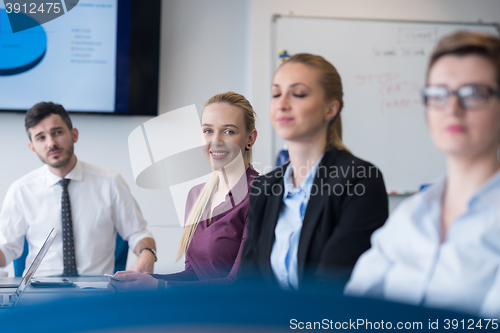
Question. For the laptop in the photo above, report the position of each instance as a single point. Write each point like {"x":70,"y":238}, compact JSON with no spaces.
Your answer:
{"x":8,"y":300}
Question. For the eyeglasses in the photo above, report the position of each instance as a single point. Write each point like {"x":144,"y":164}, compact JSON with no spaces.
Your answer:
{"x":470,"y":97}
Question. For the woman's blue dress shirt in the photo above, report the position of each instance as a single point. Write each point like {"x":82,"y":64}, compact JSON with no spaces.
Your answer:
{"x":287,"y":232}
{"x":408,"y":262}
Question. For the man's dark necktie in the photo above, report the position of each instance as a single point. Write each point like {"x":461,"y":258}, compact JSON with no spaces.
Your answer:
{"x":67,"y":226}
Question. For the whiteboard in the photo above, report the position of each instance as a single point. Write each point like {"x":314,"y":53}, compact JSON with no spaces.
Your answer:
{"x":382,"y":65}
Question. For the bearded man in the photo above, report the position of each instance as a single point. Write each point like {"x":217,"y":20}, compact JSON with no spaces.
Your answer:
{"x":87,"y":204}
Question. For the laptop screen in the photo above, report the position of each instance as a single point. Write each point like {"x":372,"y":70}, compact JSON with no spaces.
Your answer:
{"x":34,"y":265}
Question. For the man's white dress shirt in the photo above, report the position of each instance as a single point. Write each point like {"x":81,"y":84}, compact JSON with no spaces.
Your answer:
{"x":408,"y":262}
{"x":101,"y":205}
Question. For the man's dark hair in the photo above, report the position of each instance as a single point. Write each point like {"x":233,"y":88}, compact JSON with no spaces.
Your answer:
{"x":42,"y":110}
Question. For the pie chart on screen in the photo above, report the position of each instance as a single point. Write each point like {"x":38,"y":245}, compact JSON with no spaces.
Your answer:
{"x":21,"y":51}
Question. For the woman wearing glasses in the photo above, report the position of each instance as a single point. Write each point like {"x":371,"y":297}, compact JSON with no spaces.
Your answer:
{"x":441,"y":247}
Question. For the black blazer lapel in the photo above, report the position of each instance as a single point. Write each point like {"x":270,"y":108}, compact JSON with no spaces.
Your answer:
{"x":270,"y":220}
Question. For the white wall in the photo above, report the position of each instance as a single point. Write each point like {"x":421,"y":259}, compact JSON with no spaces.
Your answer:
{"x":204,"y":51}
{"x":209,"y":47}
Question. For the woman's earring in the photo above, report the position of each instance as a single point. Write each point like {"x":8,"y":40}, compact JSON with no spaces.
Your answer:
{"x":248,"y":148}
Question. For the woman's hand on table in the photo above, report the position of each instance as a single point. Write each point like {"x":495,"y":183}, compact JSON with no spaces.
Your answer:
{"x":130,"y":281}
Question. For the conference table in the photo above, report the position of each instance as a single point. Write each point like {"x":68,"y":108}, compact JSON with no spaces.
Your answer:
{"x":214,"y":309}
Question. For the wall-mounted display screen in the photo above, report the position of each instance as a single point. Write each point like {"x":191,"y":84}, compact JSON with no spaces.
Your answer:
{"x":102,"y":56}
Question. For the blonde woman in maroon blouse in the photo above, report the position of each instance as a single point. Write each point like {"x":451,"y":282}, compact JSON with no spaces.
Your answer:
{"x":216,"y":211}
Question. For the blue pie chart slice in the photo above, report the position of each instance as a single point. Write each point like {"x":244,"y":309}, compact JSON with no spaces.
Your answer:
{"x":21,"y":51}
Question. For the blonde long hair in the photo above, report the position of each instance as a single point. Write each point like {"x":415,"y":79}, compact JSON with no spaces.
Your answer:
{"x":203,"y":200}
{"x":330,"y":81}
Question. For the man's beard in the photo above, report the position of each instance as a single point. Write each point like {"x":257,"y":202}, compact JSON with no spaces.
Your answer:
{"x":63,"y":159}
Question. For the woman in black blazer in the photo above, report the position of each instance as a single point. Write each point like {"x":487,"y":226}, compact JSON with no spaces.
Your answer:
{"x":311,"y":219}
